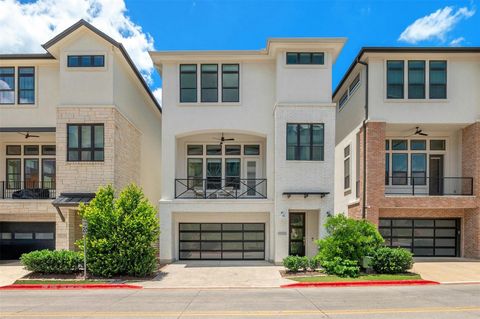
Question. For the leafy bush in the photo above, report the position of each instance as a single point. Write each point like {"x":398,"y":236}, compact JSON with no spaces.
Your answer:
{"x":314,"y":263}
{"x":341,"y":267}
{"x":387,"y":260}
{"x":347,"y":242}
{"x":296,"y":263}
{"x":121,"y":233}
{"x":52,"y":261}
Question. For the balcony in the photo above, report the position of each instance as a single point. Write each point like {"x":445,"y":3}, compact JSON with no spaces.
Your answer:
{"x":27,"y":190}
{"x":217,"y":188}
{"x":428,"y":186}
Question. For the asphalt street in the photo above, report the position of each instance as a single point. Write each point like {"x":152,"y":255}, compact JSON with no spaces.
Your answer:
{"x":440,"y":301}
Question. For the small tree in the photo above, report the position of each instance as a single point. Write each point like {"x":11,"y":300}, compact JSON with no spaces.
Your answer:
{"x":347,"y":242}
{"x":121,"y":233}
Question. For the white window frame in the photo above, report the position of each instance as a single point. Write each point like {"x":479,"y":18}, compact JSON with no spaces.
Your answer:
{"x":349,"y":158}
{"x":350,"y":91}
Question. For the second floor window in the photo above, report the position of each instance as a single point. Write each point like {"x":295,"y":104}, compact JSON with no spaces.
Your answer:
{"x":209,"y":81}
{"x":438,"y":79}
{"x":85,"y":142}
{"x":188,"y":83}
{"x":86,"y":61}
{"x":26,"y":85}
{"x":416,"y":79}
{"x":395,"y":79}
{"x":305,"y":142}
{"x":7,"y":85}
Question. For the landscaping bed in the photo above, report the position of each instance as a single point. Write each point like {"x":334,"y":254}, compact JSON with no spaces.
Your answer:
{"x":361,"y":277}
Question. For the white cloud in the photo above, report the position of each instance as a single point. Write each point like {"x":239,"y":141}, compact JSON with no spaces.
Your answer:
{"x":457,"y":42}
{"x":435,"y":25}
{"x":25,"y":26}
{"x":158,"y":95}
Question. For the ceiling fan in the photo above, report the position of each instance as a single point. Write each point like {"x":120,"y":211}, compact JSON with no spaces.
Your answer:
{"x":419,"y":131}
{"x":223,"y":139}
{"x":28,"y":135}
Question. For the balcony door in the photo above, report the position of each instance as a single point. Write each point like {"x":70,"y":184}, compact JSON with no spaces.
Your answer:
{"x":252,"y":186}
{"x":436,"y":175}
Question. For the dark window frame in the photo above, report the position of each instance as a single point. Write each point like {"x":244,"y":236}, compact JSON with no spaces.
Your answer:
{"x":18,"y":176}
{"x":402,"y":85}
{"x":430,"y":85}
{"x":298,"y":144}
{"x":13,"y":154}
{"x":20,"y":90}
{"x":80,"y":64}
{"x":298,"y":62}
{"x":188,"y":88}
{"x":410,"y":85}
{"x":231,"y":87}
{"x":81,"y":149}
{"x":202,"y":72}
{"x":13,"y":84}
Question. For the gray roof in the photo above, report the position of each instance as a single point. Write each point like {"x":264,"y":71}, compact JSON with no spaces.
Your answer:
{"x":72,"y":199}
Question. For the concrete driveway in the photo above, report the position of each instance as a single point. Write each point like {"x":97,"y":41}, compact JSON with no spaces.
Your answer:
{"x":448,"y":270}
{"x":218,"y":274}
{"x":10,"y":271}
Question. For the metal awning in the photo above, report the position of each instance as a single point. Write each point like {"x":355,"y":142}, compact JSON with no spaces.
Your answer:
{"x":71,"y":200}
{"x":306,"y":194}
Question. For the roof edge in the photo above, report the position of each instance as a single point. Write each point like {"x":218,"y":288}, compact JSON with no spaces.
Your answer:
{"x":26,"y":56}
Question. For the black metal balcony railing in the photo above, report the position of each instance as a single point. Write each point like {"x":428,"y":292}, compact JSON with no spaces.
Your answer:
{"x":428,"y":186}
{"x":218,"y":188}
{"x":27,"y":189}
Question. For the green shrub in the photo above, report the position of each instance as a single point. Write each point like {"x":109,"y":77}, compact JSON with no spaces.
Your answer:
{"x":296,"y":263}
{"x":347,"y":242}
{"x":341,"y":267}
{"x":314,"y":263}
{"x":52,"y":261}
{"x":387,"y":260}
{"x":121,"y":233}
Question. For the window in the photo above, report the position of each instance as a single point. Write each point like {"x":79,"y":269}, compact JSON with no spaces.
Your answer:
{"x":48,"y":150}
{"x":195,"y":150}
{"x":438,"y":79}
{"x":343,"y":99}
{"x":14,"y":150}
{"x":305,"y":58}
{"x":305,"y":142}
{"x":418,"y":168}
{"x":399,"y":168}
{"x":85,"y":61}
{"x":399,"y":145}
{"x":346,"y":167}
{"x":26,"y":85}
{"x":48,"y":173}
{"x":85,"y":142}
{"x":232,"y":149}
{"x":31,"y":173}
{"x":7,"y":85}
{"x":209,"y":79}
{"x":214,"y":173}
{"x":230,"y":83}
{"x":232,"y":173}
{"x":188,"y":83}
{"x":416,"y":79}
{"x":354,"y":85}
{"x":195,"y":172}
{"x":418,"y":145}
{"x":251,"y":150}
{"x":31,"y":150}
{"x":394,"y":79}
{"x":14,"y":173}
{"x":437,"y":145}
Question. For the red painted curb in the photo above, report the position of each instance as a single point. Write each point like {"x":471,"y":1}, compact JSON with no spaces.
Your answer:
{"x":360,"y":283}
{"x":69,"y":286}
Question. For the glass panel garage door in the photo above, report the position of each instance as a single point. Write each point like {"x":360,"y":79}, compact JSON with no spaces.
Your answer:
{"x":222,"y":241}
{"x":17,"y":238}
{"x":423,"y":237}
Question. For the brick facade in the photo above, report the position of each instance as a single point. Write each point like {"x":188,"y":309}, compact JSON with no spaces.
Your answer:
{"x":379,"y":205}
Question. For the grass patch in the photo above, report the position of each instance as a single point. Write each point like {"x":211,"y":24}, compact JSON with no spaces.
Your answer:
{"x":363,"y":277}
{"x":59,"y":281}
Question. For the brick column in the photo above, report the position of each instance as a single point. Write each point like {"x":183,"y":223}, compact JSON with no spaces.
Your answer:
{"x":471,"y":168}
{"x":375,"y":168}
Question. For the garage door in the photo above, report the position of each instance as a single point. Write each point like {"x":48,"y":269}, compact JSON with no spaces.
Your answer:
{"x":233,"y":241}
{"x":19,"y":238}
{"x":423,"y":237}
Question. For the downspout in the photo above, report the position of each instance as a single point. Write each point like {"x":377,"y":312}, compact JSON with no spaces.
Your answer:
{"x":364,"y":188}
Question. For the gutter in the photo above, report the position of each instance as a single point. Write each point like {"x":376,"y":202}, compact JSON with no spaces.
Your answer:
{"x":364,"y":125}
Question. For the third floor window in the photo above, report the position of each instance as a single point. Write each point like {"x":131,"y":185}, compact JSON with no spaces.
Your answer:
{"x":210,"y":81}
{"x":20,"y":90}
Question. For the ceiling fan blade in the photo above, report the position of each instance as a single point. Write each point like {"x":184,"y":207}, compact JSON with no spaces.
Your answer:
{"x":423,"y":134}
{"x":33,"y":135}
{"x":229,"y":139}
{"x":22,"y":133}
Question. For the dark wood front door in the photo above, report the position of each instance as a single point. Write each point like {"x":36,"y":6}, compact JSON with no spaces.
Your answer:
{"x":297,"y":234}
{"x":436,"y":175}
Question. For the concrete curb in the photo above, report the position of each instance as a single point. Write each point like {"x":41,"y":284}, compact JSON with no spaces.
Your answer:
{"x":68,"y":286}
{"x":360,"y":283}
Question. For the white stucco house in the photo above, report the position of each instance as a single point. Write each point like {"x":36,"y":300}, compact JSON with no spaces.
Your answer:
{"x":248,"y":141}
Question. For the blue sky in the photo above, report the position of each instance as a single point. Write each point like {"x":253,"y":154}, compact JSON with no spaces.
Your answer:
{"x":225,"y":25}
{"x":143,"y":25}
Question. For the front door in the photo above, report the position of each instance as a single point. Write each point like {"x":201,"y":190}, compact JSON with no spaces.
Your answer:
{"x":297,"y":234}
{"x":436,"y":175}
